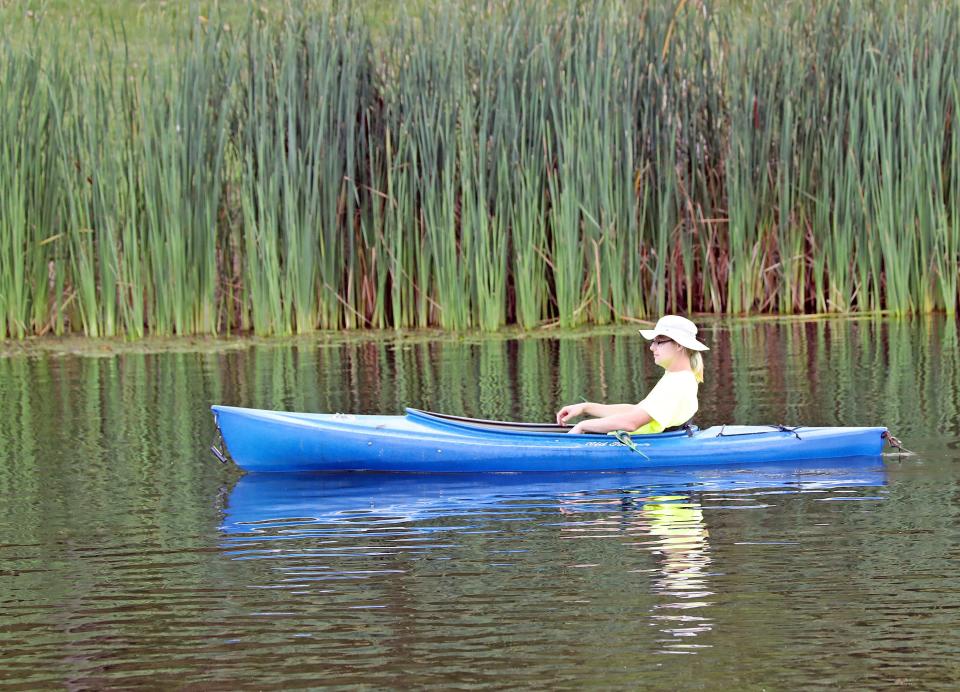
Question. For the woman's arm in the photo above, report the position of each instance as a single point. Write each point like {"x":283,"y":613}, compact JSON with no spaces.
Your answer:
{"x":588,"y":408}
{"x":629,"y":420}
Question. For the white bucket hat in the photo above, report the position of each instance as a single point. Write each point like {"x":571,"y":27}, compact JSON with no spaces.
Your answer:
{"x":680,"y":329}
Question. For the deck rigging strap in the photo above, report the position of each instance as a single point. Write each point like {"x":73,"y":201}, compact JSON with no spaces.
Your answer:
{"x":778,"y":427}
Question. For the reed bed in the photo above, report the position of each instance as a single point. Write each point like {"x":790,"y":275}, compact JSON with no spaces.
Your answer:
{"x":485,"y":164}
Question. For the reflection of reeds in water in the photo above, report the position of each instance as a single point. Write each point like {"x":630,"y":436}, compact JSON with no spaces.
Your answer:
{"x":96,"y":433}
{"x":485,"y":165}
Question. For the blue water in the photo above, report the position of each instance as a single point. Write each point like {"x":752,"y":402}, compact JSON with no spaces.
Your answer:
{"x":130,"y":558}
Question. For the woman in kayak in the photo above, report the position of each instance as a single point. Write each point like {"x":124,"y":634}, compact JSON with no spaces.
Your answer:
{"x":673,"y":400}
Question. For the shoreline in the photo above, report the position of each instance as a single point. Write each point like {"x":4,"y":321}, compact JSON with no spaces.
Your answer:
{"x":104,"y":347}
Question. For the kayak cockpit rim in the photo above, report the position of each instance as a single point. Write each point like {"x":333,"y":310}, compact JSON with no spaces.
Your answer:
{"x":445,"y":420}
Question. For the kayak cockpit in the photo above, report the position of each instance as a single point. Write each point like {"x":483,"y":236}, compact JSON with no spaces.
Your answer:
{"x":485,"y":424}
{"x":461,"y":422}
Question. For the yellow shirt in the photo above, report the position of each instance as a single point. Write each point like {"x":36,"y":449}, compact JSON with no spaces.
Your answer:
{"x":673,"y":401}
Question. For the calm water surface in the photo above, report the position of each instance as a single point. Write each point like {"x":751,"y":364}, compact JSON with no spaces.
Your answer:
{"x":129,"y":557}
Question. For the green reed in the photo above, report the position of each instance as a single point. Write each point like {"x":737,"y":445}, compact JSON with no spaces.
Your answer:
{"x":17,"y":97}
{"x":485,"y":164}
{"x":32,"y":260}
{"x":184,"y":137}
{"x":298,"y":127}
{"x":875,"y":143}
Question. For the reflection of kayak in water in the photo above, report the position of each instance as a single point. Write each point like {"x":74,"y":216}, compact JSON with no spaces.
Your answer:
{"x":427,"y":442}
{"x":270,"y":501}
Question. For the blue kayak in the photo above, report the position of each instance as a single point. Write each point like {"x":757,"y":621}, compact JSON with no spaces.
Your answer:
{"x":420,"y":441}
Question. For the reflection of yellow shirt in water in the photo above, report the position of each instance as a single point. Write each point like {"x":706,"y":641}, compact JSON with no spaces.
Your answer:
{"x":673,"y":401}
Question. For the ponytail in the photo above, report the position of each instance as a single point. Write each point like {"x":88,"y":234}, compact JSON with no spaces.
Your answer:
{"x":696,"y":363}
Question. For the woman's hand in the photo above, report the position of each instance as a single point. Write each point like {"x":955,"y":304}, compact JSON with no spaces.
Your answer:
{"x":576,"y":430}
{"x":571,"y":411}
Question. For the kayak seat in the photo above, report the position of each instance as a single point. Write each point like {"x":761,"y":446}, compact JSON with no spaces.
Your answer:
{"x":688,"y":427}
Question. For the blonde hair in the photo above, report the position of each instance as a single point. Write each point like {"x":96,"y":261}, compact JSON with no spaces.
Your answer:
{"x":696,"y":363}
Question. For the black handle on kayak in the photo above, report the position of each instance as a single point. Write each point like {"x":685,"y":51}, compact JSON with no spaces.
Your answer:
{"x":214,"y":449}
{"x":218,"y":454}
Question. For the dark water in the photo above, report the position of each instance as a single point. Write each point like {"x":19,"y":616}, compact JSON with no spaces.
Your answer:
{"x":128,"y":557}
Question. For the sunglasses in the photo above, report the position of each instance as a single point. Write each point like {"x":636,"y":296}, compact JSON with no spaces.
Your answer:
{"x":660,"y":340}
